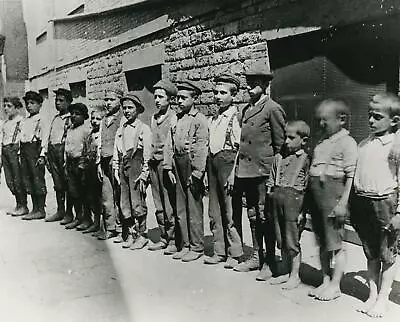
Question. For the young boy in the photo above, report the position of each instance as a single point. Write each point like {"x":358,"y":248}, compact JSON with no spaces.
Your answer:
{"x":132,"y":151}
{"x":188,"y":149}
{"x":110,"y":188}
{"x":77,"y":134}
{"x":375,"y":205}
{"x":92,"y":184}
{"x":223,"y":150}
{"x":33,"y":167}
{"x":331,"y":177}
{"x":285,"y":193}
{"x":162,"y":189}
{"x":53,"y":150}
{"x":9,"y":154}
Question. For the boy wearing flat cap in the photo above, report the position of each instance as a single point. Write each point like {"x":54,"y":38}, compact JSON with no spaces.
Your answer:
{"x":263,"y":134}
{"x":10,"y":135}
{"x":53,"y":150}
{"x":132,"y":151}
{"x":224,"y":145}
{"x":77,"y":134}
{"x":187,"y":149}
{"x":33,"y":169}
{"x":111,"y":191}
{"x":162,"y":189}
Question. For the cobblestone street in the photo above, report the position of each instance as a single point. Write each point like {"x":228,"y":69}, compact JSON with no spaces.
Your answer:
{"x":50,"y":274}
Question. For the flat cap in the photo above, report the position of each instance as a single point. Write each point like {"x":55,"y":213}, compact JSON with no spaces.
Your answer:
{"x":34,"y":96}
{"x":228,"y":78}
{"x":81,"y":108}
{"x":64,"y":92}
{"x":166,"y":85}
{"x":135,"y":99}
{"x":259,"y":68}
{"x":117,"y":90}
{"x":190,"y":86}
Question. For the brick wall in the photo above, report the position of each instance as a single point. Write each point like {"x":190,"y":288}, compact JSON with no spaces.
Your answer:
{"x":202,"y":41}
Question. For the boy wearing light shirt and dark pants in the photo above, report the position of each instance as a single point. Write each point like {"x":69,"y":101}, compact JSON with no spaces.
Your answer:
{"x":33,"y":167}
{"x":224,"y":131}
{"x":375,"y":204}
{"x":132,"y":151}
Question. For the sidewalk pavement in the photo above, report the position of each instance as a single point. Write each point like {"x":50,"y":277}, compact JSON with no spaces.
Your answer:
{"x":50,"y":274}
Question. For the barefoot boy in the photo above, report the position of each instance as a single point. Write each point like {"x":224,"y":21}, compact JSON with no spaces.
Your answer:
{"x":331,"y":178}
{"x":285,"y":191}
{"x":375,"y":206}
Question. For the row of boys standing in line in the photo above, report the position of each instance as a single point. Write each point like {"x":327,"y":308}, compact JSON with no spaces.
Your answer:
{"x":254,"y":154}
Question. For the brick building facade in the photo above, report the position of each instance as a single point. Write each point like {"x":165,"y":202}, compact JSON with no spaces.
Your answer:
{"x":335,"y":48}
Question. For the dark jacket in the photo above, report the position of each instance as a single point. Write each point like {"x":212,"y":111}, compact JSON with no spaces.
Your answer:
{"x":263,"y":134}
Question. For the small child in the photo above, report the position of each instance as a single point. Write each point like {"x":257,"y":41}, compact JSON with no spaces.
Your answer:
{"x":132,"y":151}
{"x":77,"y":134}
{"x":9,"y":154}
{"x":33,"y":166}
{"x":375,"y":204}
{"x":92,"y":184}
{"x":331,"y":177}
{"x":285,"y":191}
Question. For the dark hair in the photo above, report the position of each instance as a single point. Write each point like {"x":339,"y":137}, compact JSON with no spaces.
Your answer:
{"x":14,"y":101}
{"x":81,"y":108}
{"x":302,"y":128}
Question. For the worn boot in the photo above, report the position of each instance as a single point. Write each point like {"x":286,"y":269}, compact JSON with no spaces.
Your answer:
{"x":12,"y":212}
{"x":31,"y":214}
{"x":92,"y":229}
{"x":69,"y":217}
{"x":59,"y":215}
{"x":41,"y":203}
{"x":22,"y":208}
{"x":252,"y":264}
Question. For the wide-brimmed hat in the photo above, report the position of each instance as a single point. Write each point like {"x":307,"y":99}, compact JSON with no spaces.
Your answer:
{"x":260,"y":69}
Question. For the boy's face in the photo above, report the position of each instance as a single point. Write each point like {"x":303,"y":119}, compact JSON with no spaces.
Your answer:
{"x":62,"y":104}
{"x":380,"y":121}
{"x":112,"y":103}
{"x":294,"y":141}
{"x":10,"y":109}
{"x":95,"y":120}
{"x":161,"y":99}
{"x":185,"y":100}
{"x":33,"y":107}
{"x":328,"y":120}
{"x":222,"y":95}
{"x":77,"y":118}
{"x":130,"y":110}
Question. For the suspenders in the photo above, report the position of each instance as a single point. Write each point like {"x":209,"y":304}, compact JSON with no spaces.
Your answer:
{"x":17,"y":129}
{"x":228,"y":137}
{"x":35,"y":132}
{"x":66,"y":126}
{"x":300,"y":164}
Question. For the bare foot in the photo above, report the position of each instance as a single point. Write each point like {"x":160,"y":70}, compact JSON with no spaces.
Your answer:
{"x":291,"y":284}
{"x":378,"y":310}
{"x":316,"y":291}
{"x":367,"y":305}
{"x":279,"y":280}
{"x":330,"y":293}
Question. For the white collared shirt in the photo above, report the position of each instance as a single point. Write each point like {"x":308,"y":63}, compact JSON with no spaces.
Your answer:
{"x":9,"y":133}
{"x":375,"y":175}
{"x":218,"y":127}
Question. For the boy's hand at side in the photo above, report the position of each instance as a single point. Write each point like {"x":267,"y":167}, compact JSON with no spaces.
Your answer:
{"x":139,"y":182}
{"x":395,"y":221}
{"x":41,"y":161}
{"x":339,"y":214}
{"x":116,"y":176}
{"x":229,"y":183}
{"x":171,"y":177}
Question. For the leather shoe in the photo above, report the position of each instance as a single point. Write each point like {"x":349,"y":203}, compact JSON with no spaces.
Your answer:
{"x":157,"y":246}
{"x":170,"y":250}
{"x":107,"y":235}
{"x":231,"y":263}
{"x":251,"y":264}
{"x":21,"y":211}
{"x":191,"y":256}
{"x":38,"y":215}
{"x":73,"y":224}
{"x":68,"y":218}
{"x":56,"y":217}
{"x":91,"y":229}
{"x":128,"y":242}
{"x":139,"y":243}
{"x":83,"y":226}
{"x":181,"y":253}
{"x":118,"y":239}
{"x":213,"y":260}
{"x":28,"y":216}
{"x":264,"y":274}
